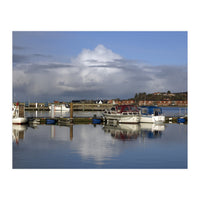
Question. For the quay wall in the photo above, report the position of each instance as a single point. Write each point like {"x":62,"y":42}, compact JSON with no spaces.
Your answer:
{"x":91,"y":107}
{"x":76,"y":107}
{"x":88,"y":120}
{"x":96,"y":107}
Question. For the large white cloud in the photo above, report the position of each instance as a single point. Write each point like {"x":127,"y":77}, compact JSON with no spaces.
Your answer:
{"x":98,"y":73}
{"x":99,"y":56}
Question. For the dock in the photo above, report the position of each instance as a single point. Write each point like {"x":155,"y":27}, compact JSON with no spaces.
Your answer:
{"x":67,"y":120}
{"x":173,"y":119}
{"x":37,"y":109}
{"x":76,"y":107}
{"x":85,"y":120}
{"x":64,"y":121}
{"x":91,"y":107}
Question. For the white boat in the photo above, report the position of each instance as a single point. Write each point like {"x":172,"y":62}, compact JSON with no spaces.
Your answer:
{"x":60,"y":107}
{"x":34,"y":121}
{"x":151,"y":114}
{"x":123,"y":114}
{"x":18,"y":115}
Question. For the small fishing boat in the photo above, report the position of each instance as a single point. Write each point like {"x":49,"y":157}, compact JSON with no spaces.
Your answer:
{"x":96,"y":121}
{"x":60,"y":107}
{"x":151,"y":114}
{"x":33,"y":121}
{"x":181,"y":120}
{"x":50,"y":121}
{"x":18,"y":114}
{"x":123,"y":114}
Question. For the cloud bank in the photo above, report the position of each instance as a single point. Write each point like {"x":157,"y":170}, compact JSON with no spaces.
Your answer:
{"x":93,"y":74}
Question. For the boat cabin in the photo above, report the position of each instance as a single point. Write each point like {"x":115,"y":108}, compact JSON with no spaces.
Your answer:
{"x":125,"y":109}
{"x":149,"y":110}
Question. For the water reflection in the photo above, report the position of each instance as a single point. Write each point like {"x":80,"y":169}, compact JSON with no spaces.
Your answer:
{"x":53,"y":132}
{"x":152,"y":130}
{"x":133,"y":131}
{"x":118,"y":131}
{"x":103,"y":146}
{"x":58,"y":133}
{"x":18,"y":132}
{"x":122,"y":131}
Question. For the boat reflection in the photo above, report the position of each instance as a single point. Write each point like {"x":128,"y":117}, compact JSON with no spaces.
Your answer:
{"x":133,"y":131}
{"x":151,"y":130}
{"x":18,"y":132}
{"x":123,"y":131}
{"x":118,"y":131}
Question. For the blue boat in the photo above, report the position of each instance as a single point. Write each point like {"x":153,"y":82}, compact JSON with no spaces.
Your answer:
{"x":50,"y":121}
{"x":181,"y":120}
{"x":151,"y":114}
{"x":96,"y":121}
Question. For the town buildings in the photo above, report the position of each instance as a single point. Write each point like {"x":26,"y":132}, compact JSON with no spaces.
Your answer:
{"x":150,"y":103}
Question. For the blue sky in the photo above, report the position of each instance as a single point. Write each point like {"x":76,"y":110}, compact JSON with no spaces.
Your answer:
{"x":133,"y":61}
{"x":153,"y":47}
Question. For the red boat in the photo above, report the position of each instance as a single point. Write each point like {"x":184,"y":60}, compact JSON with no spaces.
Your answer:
{"x":123,"y":114}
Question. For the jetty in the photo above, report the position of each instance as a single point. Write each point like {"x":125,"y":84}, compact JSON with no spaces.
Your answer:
{"x":81,"y":120}
{"x":67,"y":120}
{"x":76,"y":107}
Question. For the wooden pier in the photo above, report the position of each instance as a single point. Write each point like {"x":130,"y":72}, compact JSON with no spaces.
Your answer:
{"x":37,"y":109}
{"x":66,"y":120}
{"x":91,"y":107}
{"x":175,"y":119}
{"x":85,"y":120}
{"x":76,"y":107}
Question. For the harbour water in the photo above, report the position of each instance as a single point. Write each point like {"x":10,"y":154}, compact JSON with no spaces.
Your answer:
{"x":89,"y":146}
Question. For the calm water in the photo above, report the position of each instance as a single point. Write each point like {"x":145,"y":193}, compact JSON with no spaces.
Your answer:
{"x":100,"y":146}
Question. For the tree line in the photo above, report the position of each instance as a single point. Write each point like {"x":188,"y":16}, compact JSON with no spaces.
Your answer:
{"x":182,"y":96}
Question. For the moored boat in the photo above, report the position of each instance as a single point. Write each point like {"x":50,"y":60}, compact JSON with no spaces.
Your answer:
{"x":60,"y":107}
{"x":50,"y":121}
{"x":19,"y":120}
{"x":181,"y":120}
{"x":151,"y":114}
{"x":123,"y":114}
{"x":33,"y":121}
{"x":96,"y":121}
{"x":18,"y":115}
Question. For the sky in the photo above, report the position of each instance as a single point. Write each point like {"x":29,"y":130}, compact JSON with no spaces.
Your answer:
{"x":68,"y":66}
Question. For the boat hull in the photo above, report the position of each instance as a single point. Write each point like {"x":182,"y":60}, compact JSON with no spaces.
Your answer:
{"x":96,"y":121}
{"x":59,"y":108}
{"x":181,"y":120}
{"x":152,"y":119}
{"x":126,"y":119}
{"x":19,"y":120}
{"x":50,"y":121}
